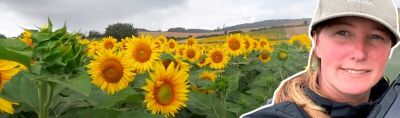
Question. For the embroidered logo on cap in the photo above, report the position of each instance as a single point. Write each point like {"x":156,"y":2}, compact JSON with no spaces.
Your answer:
{"x":365,"y":2}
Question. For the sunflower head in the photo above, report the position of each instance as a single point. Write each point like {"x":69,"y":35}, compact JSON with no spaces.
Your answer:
{"x":202,"y":62}
{"x":217,"y":58}
{"x":265,"y":55}
{"x":166,"y":90}
{"x":162,"y":39}
{"x":235,"y":44}
{"x":283,"y":55}
{"x":208,"y":75}
{"x":109,"y":43}
{"x":180,"y":50}
{"x":143,"y":53}
{"x":110,"y":71}
{"x":178,"y":64}
{"x":27,"y":38}
{"x":7,"y":70}
{"x":248,"y":43}
{"x":191,"y":41}
{"x":192,"y":53}
{"x":6,"y":106}
{"x":263,"y":43}
{"x":301,"y":40}
{"x":171,"y":45}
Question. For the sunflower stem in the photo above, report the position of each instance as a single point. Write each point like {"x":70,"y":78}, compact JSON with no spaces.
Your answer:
{"x":281,"y":71}
{"x":43,"y":99}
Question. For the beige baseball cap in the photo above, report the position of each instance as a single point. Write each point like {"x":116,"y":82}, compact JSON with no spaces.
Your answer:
{"x":381,"y":11}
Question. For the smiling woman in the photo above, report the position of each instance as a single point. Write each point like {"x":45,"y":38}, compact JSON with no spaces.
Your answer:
{"x":344,"y":77}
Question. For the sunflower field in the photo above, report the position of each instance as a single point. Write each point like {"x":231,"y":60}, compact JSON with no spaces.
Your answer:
{"x":53,"y":73}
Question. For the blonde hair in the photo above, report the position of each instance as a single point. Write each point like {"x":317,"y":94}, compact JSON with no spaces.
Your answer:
{"x":293,"y":90}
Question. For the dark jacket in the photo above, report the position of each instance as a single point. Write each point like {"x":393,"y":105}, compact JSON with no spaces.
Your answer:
{"x":289,"y":109}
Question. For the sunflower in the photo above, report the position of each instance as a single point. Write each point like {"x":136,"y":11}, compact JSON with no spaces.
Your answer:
{"x":27,"y":38}
{"x":83,"y":41}
{"x":110,"y":71}
{"x":265,"y":55}
{"x":301,"y":40}
{"x":159,"y":45}
{"x":143,"y":53}
{"x":248,"y":43}
{"x":264,"y":43}
{"x":235,"y":44}
{"x":171,"y":45}
{"x":255,"y":45}
{"x":167,"y":90}
{"x":122,"y":43}
{"x":162,"y":39}
{"x":180,"y":50}
{"x":92,"y":48}
{"x":7,"y":70}
{"x":203,"y":62}
{"x":192,"y":53}
{"x":6,"y":106}
{"x":191,"y":41}
{"x":109,"y":43}
{"x":217,"y":58}
{"x":178,"y":64}
{"x":283,"y":55}
{"x":208,"y":75}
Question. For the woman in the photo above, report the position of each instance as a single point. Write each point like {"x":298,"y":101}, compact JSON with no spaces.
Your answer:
{"x":353,"y":40}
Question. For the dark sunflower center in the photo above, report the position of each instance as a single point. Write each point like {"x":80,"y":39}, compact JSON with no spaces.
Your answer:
{"x":165,"y":94}
{"x":190,"y":42}
{"x":247,"y":44}
{"x":191,"y":53}
{"x":217,"y":57}
{"x":262,"y":44}
{"x":108,"y":45}
{"x":142,"y":53}
{"x":234,"y":44}
{"x":171,"y":45}
{"x":265,"y":55}
{"x":112,"y":70}
{"x":161,"y":40}
{"x":181,"y":51}
{"x":167,"y":62}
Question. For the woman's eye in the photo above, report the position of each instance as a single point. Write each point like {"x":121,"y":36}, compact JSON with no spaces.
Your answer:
{"x":343,"y":33}
{"x":376,"y":37}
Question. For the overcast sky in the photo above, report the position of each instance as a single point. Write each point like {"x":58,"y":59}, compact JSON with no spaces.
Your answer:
{"x":86,"y":15}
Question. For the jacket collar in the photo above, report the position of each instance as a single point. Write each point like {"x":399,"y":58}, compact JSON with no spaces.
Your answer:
{"x":342,"y":110}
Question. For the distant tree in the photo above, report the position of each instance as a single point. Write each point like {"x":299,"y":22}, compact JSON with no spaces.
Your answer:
{"x":2,"y":36}
{"x":94,"y":34}
{"x":121,"y":30}
{"x":81,"y":35}
{"x":177,"y":29}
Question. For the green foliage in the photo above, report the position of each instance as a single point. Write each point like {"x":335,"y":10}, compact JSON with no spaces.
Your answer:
{"x":55,"y":62}
{"x":120,"y":30}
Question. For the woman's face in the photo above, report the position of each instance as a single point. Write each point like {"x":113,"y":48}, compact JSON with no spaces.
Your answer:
{"x":353,"y":52}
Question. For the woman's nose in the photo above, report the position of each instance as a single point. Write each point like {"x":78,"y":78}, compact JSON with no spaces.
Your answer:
{"x":359,"y":52}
